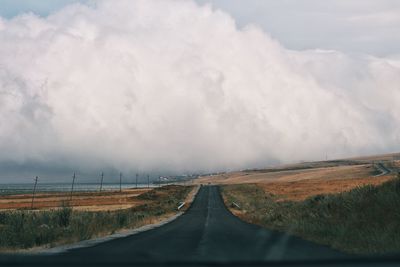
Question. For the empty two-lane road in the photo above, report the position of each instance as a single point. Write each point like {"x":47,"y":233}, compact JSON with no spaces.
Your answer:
{"x":206,"y":232}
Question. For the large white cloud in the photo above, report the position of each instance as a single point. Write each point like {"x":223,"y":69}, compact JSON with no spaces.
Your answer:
{"x":174,"y":86}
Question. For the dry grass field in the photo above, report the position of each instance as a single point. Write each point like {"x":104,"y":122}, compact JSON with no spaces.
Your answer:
{"x":300,"y":190}
{"x":350,"y":205}
{"x":84,"y":201}
{"x":56,"y":220}
{"x":300,"y":181}
{"x":363,"y":220}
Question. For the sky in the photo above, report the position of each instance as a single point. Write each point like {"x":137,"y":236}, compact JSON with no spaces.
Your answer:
{"x":179,"y":86}
{"x":356,"y":26}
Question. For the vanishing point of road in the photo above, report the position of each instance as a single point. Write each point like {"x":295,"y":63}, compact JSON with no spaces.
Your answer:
{"x":207,"y":232}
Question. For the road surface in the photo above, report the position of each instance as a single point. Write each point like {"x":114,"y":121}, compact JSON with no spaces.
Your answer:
{"x":382,"y":169}
{"x":206,"y":232}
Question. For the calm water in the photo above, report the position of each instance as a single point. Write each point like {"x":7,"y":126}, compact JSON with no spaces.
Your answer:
{"x":7,"y":189}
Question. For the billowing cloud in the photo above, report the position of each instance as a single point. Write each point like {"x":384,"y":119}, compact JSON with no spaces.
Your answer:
{"x":171,"y":85}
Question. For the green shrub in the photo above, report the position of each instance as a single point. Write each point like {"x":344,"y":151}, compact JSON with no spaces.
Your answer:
{"x":63,"y":216}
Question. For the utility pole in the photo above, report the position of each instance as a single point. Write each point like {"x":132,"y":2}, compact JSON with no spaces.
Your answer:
{"x":101,"y":182}
{"x":120,"y":182}
{"x":34,"y":191}
{"x":148,"y":181}
{"x":72,"y":187}
{"x":136,"y":179}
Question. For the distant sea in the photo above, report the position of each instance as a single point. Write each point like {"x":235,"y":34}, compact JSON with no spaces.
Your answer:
{"x":10,"y":189}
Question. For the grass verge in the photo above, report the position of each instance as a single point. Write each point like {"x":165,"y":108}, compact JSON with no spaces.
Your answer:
{"x":365,"y":220}
{"x":26,"y":229}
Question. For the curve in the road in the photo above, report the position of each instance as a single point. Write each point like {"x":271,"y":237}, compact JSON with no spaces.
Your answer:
{"x":382,"y":168}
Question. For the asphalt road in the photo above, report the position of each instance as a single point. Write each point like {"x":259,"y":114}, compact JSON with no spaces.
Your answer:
{"x":206,"y":232}
{"x":382,"y":169}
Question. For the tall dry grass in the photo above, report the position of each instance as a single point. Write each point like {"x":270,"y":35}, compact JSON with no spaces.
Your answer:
{"x":365,"y":220}
{"x":25,"y":229}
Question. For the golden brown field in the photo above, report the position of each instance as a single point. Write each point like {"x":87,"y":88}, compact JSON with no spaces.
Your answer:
{"x":88,"y":201}
{"x":300,"y":190}
{"x":297,"y":182}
